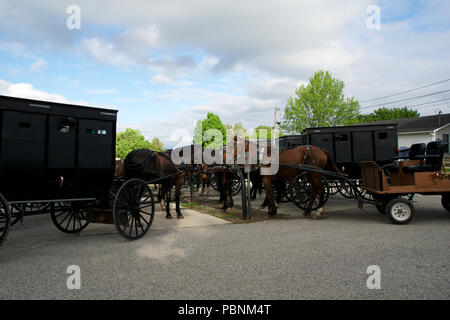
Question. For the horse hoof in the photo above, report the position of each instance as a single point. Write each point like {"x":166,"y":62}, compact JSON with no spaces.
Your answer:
{"x":169,"y":217}
{"x":180,"y":216}
{"x":228,"y":210}
{"x":317,"y":216}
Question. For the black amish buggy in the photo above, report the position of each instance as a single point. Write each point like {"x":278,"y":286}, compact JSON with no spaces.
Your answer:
{"x":348,"y":146}
{"x":60,"y":159}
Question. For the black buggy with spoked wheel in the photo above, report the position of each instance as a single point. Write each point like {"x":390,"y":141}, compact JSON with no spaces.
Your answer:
{"x":60,"y":159}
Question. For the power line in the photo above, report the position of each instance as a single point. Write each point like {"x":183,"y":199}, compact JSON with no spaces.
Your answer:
{"x":421,"y":104}
{"x":402,"y":100}
{"x":397,"y":94}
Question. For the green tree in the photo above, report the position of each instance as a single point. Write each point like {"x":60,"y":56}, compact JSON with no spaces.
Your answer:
{"x":239,"y":130}
{"x":268,"y":129}
{"x":384,"y":113}
{"x":212,"y":121}
{"x":156,"y":145}
{"x":128,"y":141}
{"x":320,"y":103}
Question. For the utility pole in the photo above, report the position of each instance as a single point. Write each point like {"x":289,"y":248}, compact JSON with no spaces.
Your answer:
{"x":275,"y":122}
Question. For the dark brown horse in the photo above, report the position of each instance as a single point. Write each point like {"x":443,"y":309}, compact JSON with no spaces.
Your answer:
{"x":150,"y":165}
{"x":307,"y":155}
{"x":205,"y":178}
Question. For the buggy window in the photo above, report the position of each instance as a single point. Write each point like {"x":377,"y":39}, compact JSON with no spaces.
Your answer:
{"x":341,"y":137}
{"x":382,"y":135}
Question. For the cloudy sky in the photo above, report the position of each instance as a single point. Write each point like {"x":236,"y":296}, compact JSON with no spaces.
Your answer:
{"x":165,"y":64}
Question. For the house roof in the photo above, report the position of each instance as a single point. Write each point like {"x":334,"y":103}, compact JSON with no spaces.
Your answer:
{"x":426,"y":123}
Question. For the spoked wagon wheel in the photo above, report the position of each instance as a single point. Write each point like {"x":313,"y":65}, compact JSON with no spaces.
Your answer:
{"x":346,"y":189}
{"x":301,"y":191}
{"x":333,"y":186}
{"x":213,"y":179}
{"x":236,"y":185}
{"x":5,"y":219}
{"x":69,"y":217}
{"x":285,"y":188}
{"x":362,"y":192}
{"x":19,"y":210}
{"x":134,"y":209}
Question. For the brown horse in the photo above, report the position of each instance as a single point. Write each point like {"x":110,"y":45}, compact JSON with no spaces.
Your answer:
{"x":205,"y":178}
{"x":307,"y":155}
{"x":150,"y":165}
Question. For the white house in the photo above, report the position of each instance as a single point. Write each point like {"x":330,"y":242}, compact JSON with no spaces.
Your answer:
{"x":421,"y":129}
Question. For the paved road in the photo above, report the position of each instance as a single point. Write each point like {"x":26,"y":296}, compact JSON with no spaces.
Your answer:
{"x":276,"y":259}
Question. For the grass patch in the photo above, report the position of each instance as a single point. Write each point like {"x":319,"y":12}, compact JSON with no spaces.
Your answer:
{"x":234,"y":215}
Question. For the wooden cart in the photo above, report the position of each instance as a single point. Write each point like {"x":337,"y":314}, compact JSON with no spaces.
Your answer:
{"x":393,"y":186}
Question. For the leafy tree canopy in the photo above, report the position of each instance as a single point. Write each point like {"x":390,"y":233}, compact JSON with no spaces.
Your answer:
{"x":258,"y":132}
{"x":156,"y":145}
{"x":320,"y":103}
{"x":130,"y":140}
{"x":212,"y":121}
{"x":389,"y":114}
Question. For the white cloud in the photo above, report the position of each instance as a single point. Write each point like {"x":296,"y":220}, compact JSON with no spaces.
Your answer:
{"x":38,"y":65}
{"x":102,"y":91}
{"x":105,"y":53}
{"x":161,"y":79}
{"x":26,"y":90}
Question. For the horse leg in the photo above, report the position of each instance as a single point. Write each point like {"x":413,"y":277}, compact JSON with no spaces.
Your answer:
{"x":230,"y":191}
{"x":178,"y":185}
{"x":220,"y":186}
{"x":203,"y":185}
{"x":162,"y":196}
{"x":168,"y":195}
{"x":226,"y":187}
{"x":321,"y":190}
{"x":265,"y":202}
{"x":272,"y":209}
{"x":313,"y":191}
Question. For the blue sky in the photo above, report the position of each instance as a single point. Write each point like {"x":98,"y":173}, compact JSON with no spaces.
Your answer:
{"x":164,"y":65}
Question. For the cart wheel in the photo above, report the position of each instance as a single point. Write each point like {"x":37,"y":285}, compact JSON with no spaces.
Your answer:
{"x":236,"y":185}
{"x":333,"y":186}
{"x":69,"y":217}
{"x":301,"y":191}
{"x":400,"y":211}
{"x":213,"y":179}
{"x":445,"y":200}
{"x":5,"y":219}
{"x":346,"y":189}
{"x":134,"y":209}
{"x":285,"y":189}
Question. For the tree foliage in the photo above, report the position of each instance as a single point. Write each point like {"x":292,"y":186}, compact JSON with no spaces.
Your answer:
{"x":130,"y":140}
{"x":212,"y":124}
{"x":320,"y":103}
{"x":156,"y":145}
{"x":258,"y":132}
{"x":389,"y":114}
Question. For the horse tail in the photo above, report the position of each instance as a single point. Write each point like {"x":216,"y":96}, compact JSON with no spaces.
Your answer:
{"x":331,"y":165}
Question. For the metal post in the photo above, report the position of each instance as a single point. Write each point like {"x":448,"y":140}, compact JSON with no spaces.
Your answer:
{"x":244,"y":194}
{"x":191,"y":184}
{"x":249,"y":196}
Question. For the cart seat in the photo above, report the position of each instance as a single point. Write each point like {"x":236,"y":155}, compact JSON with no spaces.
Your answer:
{"x":433,"y":158}
{"x":416,"y":150}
